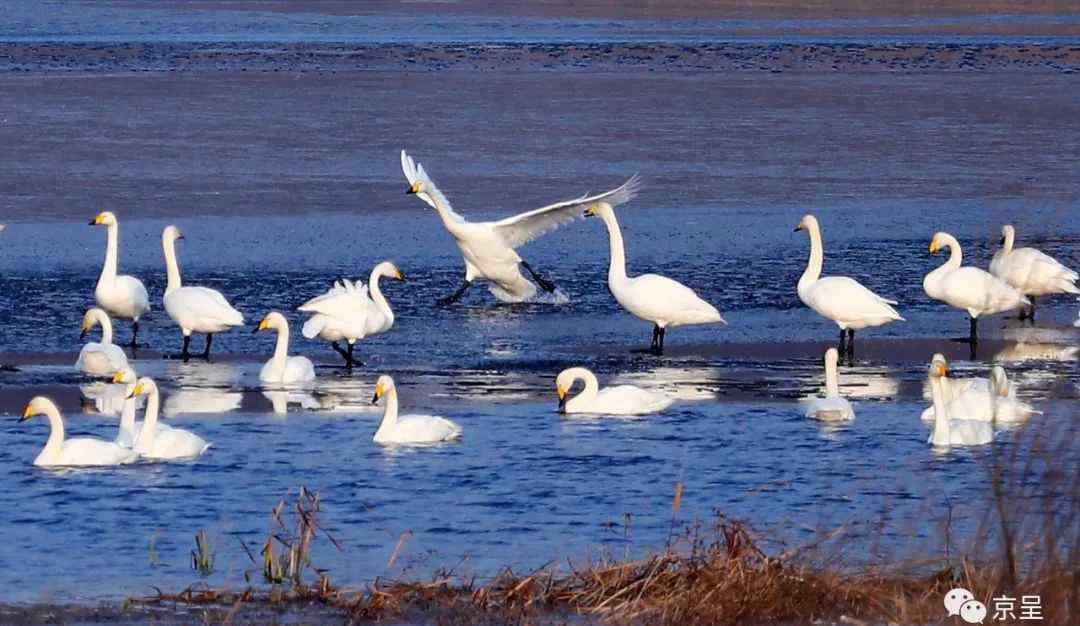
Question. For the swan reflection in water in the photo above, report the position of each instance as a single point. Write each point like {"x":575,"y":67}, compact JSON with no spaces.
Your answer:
{"x":1020,"y":352}
{"x":195,"y":400}
{"x":280,"y":399}
{"x":106,"y":398}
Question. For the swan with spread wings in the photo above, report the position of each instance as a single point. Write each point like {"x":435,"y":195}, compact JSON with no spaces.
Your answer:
{"x":488,"y":248}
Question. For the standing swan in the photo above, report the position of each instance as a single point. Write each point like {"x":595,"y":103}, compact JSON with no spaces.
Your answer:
{"x":346,"y":312}
{"x":832,"y":407}
{"x":619,"y":400}
{"x":1032,"y":272}
{"x":840,"y":298}
{"x":488,"y":248}
{"x":78,"y":451}
{"x":948,"y":431}
{"x":99,"y":358}
{"x":194,"y":309}
{"x":283,"y":369}
{"x":651,"y":297}
{"x":153,"y":442}
{"x":970,"y":288}
{"x":121,"y":296}
{"x":408,"y":428}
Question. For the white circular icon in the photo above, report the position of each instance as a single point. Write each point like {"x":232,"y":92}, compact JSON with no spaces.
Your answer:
{"x":956,"y":599}
{"x":973,"y":612}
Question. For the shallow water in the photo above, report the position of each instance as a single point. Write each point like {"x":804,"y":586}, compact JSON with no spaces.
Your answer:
{"x":284,"y":183}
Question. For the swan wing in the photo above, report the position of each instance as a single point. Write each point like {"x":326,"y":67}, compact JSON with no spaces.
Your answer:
{"x":844,"y":299}
{"x":87,"y":451}
{"x":343,"y":300}
{"x":1031,"y":270}
{"x":425,"y":429}
{"x":828,"y":408}
{"x":525,"y":227}
{"x":963,"y":432}
{"x":135,"y":291}
{"x":176,"y":443}
{"x":205,"y":304}
{"x":414,"y":172}
{"x":661,"y":298}
{"x":629,"y":400}
{"x":979,"y":291}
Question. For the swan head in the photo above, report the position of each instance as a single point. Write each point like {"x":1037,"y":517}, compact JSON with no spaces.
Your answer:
{"x":831,"y":358}
{"x":938,"y":369}
{"x":171,"y":233}
{"x":125,"y":375}
{"x":144,"y":386}
{"x":600,"y":209}
{"x":90,"y":319}
{"x":808,"y":222}
{"x":417,"y":187}
{"x":105,"y":218}
{"x":273,"y":320}
{"x":39,"y":405}
{"x":388,"y":269}
{"x":383,"y":386}
{"x":1008,"y":233}
{"x":939,"y":241}
{"x":999,"y":382}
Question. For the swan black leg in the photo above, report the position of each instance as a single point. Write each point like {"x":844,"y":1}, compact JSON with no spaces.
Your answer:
{"x":842,"y":348}
{"x":184,"y":354}
{"x":134,"y":335}
{"x":546,"y":285}
{"x":660,"y":347}
{"x":851,"y":345}
{"x":973,"y":335}
{"x":454,"y":297}
{"x":351,"y":360}
{"x":1031,"y":310}
{"x":206,"y":351}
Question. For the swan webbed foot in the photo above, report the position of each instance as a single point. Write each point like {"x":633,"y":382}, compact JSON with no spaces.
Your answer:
{"x":545,"y":284}
{"x":454,"y":297}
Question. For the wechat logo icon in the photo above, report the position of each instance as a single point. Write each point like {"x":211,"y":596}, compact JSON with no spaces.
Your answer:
{"x":961,"y":602}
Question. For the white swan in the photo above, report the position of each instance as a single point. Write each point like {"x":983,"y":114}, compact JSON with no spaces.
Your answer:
{"x":346,"y":312}
{"x":984,"y":399}
{"x":488,"y":248}
{"x":78,"y":451}
{"x":121,"y":296}
{"x":128,"y":429}
{"x":833,"y":406}
{"x":194,"y":309}
{"x":618,"y":400}
{"x":1030,"y":271}
{"x":283,"y":369}
{"x":99,"y":358}
{"x":650,"y":297}
{"x":408,"y":428}
{"x":840,"y":298}
{"x":152,"y":441}
{"x":970,"y":288}
{"x":948,"y":431}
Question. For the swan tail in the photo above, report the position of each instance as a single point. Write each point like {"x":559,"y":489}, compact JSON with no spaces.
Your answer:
{"x":1068,"y":285}
{"x":313,"y":327}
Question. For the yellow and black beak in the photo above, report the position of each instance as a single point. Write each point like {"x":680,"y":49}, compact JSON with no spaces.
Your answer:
{"x":562,"y":398}
{"x":589,"y":212}
{"x":414,"y":188}
{"x":85,"y":331}
{"x":942,"y":369}
{"x":26,"y":414}
{"x":136,"y":391}
{"x":378,"y":394}
{"x":400,"y":276}
{"x":933,"y":247}
{"x":118,"y":377}
{"x":262,"y":326}
{"x":98,"y":220}
{"x":799,"y":227}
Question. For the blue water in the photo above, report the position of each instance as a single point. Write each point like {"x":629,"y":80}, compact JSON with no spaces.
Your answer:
{"x":284,"y":183}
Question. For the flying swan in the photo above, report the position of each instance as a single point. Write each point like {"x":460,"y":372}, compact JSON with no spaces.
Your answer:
{"x":408,"y":428}
{"x":833,"y":406}
{"x":74,"y":452}
{"x":488,"y":248}
{"x":194,"y":309}
{"x":122,"y":296}
{"x":102,"y":358}
{"x":154,"y":442}
{"x":618,"y":400}
{"x":650,"y":297}
{"x":948,"y":431}
{"x":283,"y":369}
{"x":970,"y":288}
{"x":347,"y":312}
{"x":1030,"y":271}
{"x":840,"y":298}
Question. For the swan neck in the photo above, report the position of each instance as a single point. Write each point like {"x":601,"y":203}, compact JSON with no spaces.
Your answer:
{"x":56,"y":432}
{"x":956,"y":256}
{"x":1010,"y":240}
{"x":150,"y":418}
{"x":941,"y":417}
{"x":817,"y":257}
{"x":832,"y":380}
{"x":127,"y":414}
{"x":106,"y":328}
{"x":592,"y":386}
{"x":108,"y":270}
{"x":390,"y":414}
{"x":377,"y":295}
{"x":172,"y":266}
{"x":617,"y":268}
{"x":445,"y":214}
{"x":281,"y":348}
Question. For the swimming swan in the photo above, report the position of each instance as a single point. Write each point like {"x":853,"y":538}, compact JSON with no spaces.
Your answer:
{"x":78,"y":451}
{"x":488,"y":248}
{"x":984,"y":399}
{"x":840,"y":298}
{"x":346,"y":312}
{"x":650,"y":297}
{"x":154,"y":442}
{"x":194,"y":309}
{"x":99,"y":358}
{"x":408,"y":428}
{"x":283,"y":369}
{"x":619,"y":400}
{"x":128,"y":431}
{"x":970,"y":288}
{"x":1032,"y":272}
{"x":833,"y":406}
{"x":948,"y":431}
{"x":121,"y":296}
